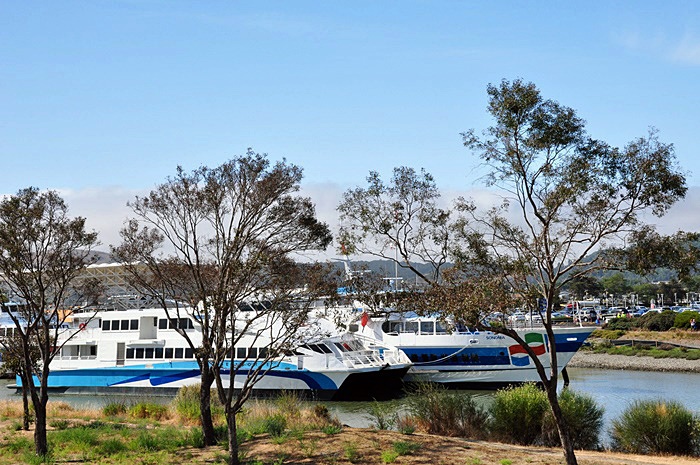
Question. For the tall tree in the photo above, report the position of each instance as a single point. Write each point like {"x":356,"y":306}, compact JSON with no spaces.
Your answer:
{"x":399,"y":221}
{"x":573,"y":195}
{"x":565,"y":196}
{"x":211,"y":241}
{"x":42,"y":251}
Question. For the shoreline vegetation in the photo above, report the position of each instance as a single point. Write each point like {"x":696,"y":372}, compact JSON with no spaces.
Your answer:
{"x":638,"y":355}
{"x":286,"y":431}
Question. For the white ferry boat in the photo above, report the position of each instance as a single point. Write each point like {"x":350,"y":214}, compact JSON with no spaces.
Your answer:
{"x":140,"y":350}
{"x":460,"y":358}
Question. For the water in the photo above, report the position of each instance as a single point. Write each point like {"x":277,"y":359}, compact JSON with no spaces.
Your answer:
{"x":614,"y":390}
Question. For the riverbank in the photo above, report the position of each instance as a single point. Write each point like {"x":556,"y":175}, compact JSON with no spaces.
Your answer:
{"x":586,"y":359}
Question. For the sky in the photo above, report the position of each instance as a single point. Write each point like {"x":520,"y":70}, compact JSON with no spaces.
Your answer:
{"x":102,"y":100}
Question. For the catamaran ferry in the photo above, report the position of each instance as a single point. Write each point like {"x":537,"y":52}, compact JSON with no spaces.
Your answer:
{"x":459,"y":357}
{"x":140,"y":350}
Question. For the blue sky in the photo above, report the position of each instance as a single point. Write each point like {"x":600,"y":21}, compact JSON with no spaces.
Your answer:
{"x":103,"y":99}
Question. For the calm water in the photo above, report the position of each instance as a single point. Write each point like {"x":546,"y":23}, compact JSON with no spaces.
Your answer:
{"x":612,"y":389}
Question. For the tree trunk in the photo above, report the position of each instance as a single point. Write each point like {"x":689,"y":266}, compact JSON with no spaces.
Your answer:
{"x":207,"y":379}
{"x":41,"y":446}
{"x":25,"y":403}
{"x":232,"y":438}
{"x":562,"y":427}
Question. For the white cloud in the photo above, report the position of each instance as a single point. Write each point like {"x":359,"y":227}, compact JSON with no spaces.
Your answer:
{"x":104,"y":210}
{"x":684,"y":50}
{"x":687,"y":51}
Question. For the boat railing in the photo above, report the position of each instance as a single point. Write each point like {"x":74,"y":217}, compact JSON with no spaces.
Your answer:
{"x":361,"y":358}
{"x":76,"y":357}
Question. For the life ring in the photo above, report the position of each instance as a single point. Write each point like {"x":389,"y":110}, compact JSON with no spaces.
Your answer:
{"x":81,"y":326}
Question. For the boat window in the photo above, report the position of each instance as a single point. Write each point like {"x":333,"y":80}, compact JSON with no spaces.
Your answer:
{"x":178,"y":352}
{"x":441,"y":329}
{"x":263,"y":352}
{"x":427,"y":327}
{"x":129,"y":353}
{"x":158,"y":352}
{"x":168,"y":352}
{"x":184,"y":323}
{"x":189,"y":353}
{"x":325,"y":349}
{"x":139,"y":353}
{"x":240,"y":352}
{"x":106,"y":325}
{"x":148,"y":353}
{"x":344,"y":347}
{"x":93,"y":351}
{"x":253,"y":352}
{"x":162,"y":323}
{"x":410,"y":327}
{"x":172,"y":324}
{"x":124,"y":325}
{"x":134,"y":325}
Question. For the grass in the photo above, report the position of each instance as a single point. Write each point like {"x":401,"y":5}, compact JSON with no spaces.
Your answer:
{"x":638,"y":350}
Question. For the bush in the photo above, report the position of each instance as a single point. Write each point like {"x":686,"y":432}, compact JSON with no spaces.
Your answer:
{"x":149,"y":410}
{"x":607,"y":334}
{"x":382,"y":416}
{"x":621,"y":324}
{"x":114,"y":409}
{"x":656,"y":427}
{"x":682,"y":320}
{"x":653,"y":321}
{"x":186,"y":403}
{"x":275,"y":425}
{"x":518,"y":413}
{"x":447,"y":413}
{"x":583,"y":416}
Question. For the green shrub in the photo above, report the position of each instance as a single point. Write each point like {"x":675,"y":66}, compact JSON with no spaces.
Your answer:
{"x":382,"y":415}
{"x":111,"y":446}
{"x":186,"y":403}
{"x":682,"y":320}
{"x":389,"y":456}
{"x":608,"y":334}
{"x":518,"y":413}
{"x":447,"y":413}
{"x":653,"y":321}
{"x":289,"y":403}
{"x":275,"y":425}
{"x":656,"y":427}
{"x":332,"y":429}
{"x":405,"y":447}
{"x":148,"y":410}
{"x":621,"y":324}
{"x":114,"y":409}
{"x":59,"y":424}
{"x":583,"y":416}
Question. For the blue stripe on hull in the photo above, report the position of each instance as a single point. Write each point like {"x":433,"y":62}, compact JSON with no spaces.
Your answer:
{"x":473,"y":357}
{"x":168,"y":374}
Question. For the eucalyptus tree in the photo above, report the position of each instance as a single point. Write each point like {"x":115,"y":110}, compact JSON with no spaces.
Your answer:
{"x":42,"y":251}
{"x":209,"y":243}
{"x":565,"y":196}
{"x":570,"y":195}
{"x":399,"y":221}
